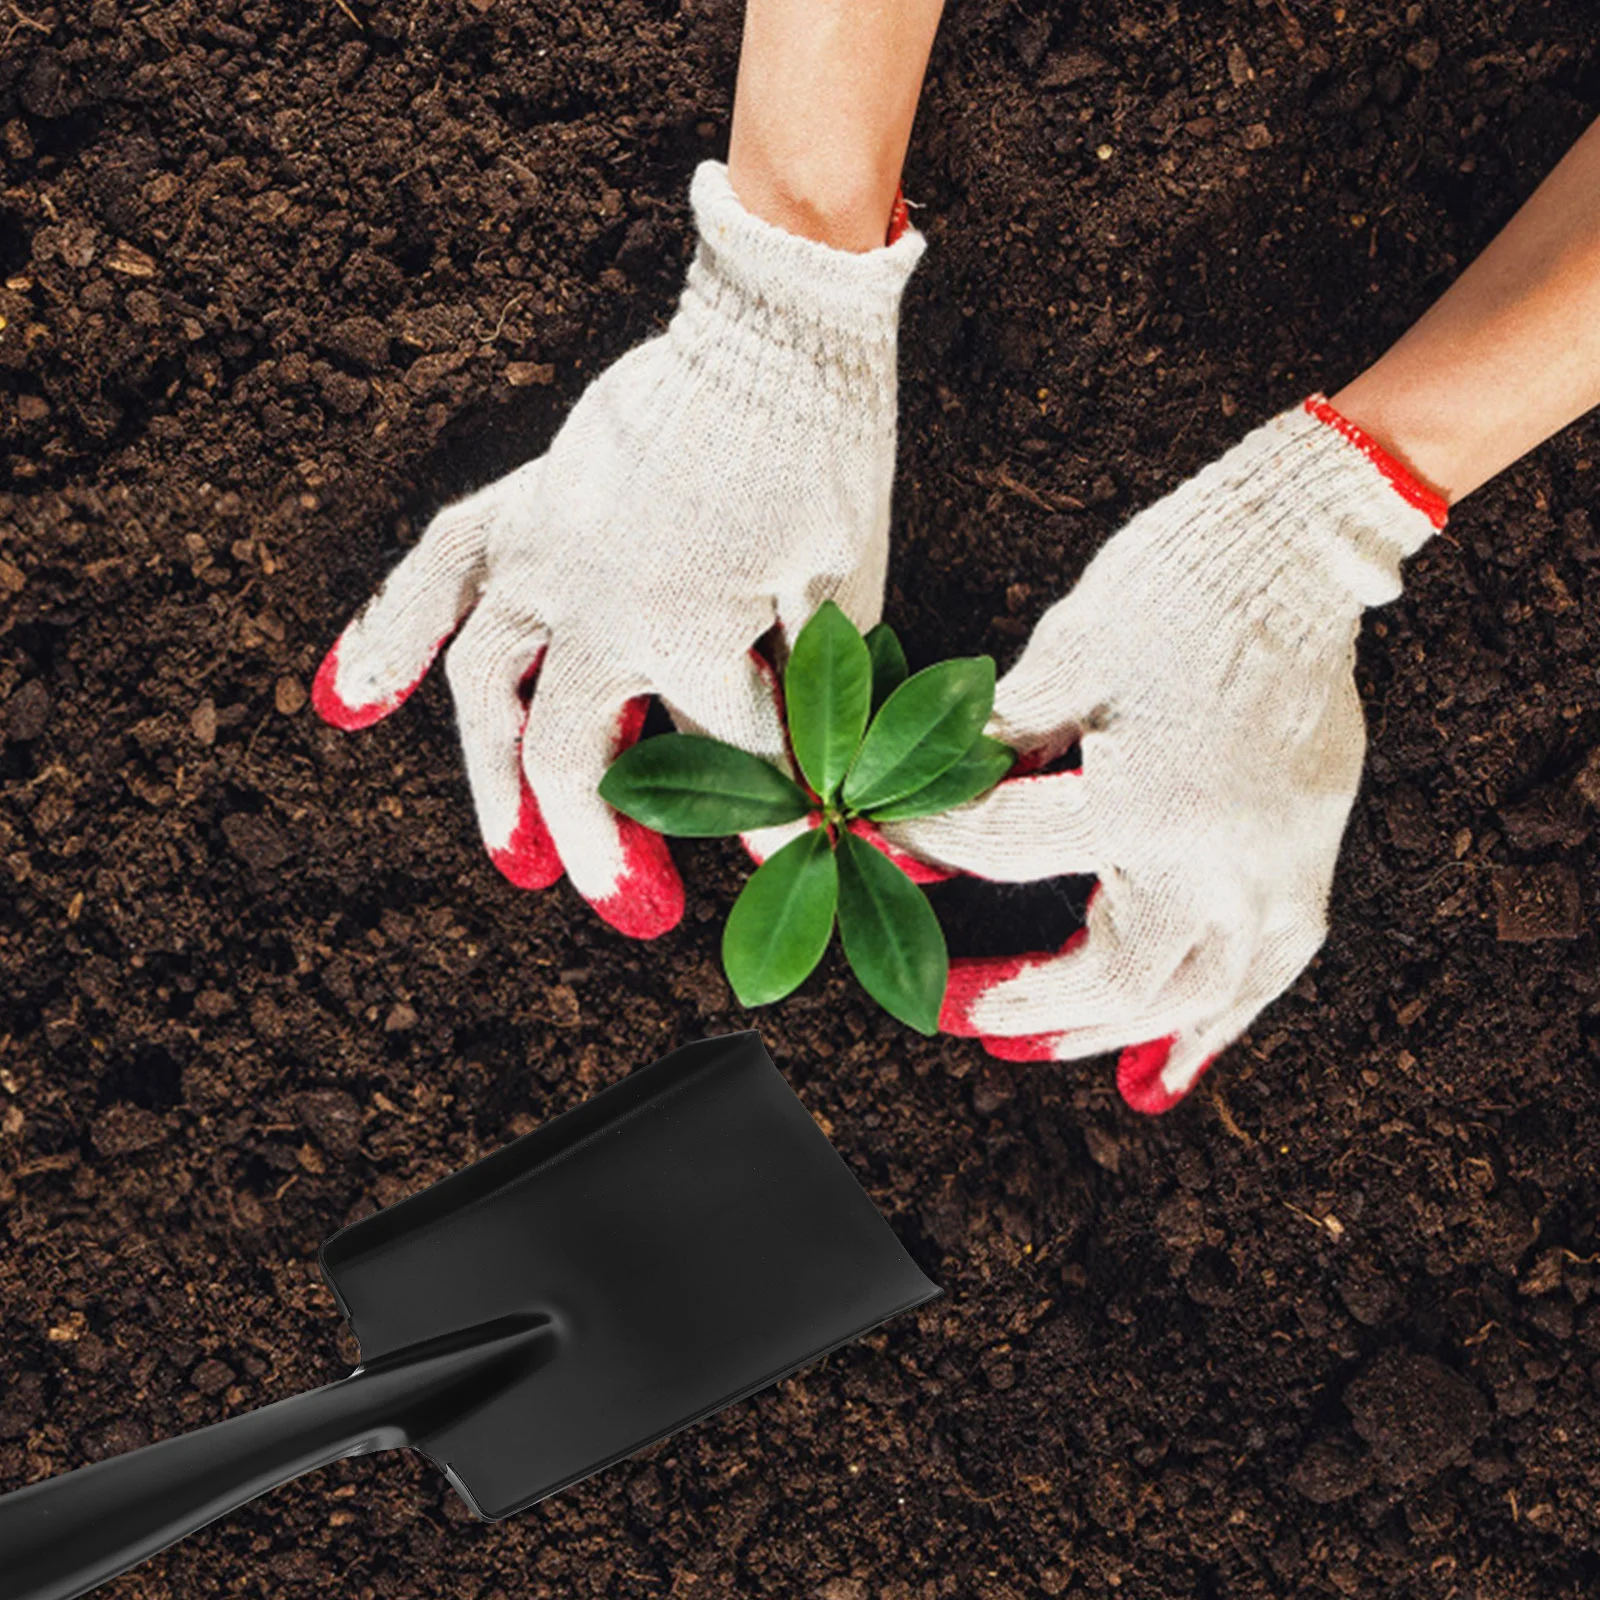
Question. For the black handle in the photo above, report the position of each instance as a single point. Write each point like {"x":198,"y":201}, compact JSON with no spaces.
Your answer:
{"x":61,"y":1537}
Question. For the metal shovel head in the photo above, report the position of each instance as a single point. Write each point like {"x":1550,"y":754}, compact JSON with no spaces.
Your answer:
{"x":691,"y":1235}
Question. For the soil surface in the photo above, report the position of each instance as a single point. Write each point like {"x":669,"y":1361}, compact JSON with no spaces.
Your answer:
{"x":279,"y":280}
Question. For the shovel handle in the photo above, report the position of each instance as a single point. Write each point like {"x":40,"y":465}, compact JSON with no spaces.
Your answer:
{"x":63,"y":1536}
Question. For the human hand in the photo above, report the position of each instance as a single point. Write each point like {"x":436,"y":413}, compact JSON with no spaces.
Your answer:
{"x":731,"y":474}
{"x":1204,"y":664}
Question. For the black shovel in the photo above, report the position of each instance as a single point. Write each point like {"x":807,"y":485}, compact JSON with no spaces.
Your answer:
{"x":674,"y":1244}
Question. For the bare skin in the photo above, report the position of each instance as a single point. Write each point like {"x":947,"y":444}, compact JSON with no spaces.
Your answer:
{"x":822,"y":114}
{"x":1509,"y":355}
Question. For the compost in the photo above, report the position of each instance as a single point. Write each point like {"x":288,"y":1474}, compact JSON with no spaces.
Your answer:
{"x":277,"y":282}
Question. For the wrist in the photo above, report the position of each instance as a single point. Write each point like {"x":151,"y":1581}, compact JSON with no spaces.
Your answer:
{"x":1385,"y":448}
{"x":1409,"y":429}
{"x":844,"y":205}
{"x":811,"y":290}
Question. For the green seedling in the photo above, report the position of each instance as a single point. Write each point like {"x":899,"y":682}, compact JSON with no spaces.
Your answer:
{"x":873,"y":745}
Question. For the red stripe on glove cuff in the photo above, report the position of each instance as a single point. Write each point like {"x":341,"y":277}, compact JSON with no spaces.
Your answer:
{"x":899,"y":217}
{"x":1408,"y":486}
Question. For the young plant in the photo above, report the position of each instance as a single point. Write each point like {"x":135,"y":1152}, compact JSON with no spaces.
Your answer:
{"x":873,"y":745}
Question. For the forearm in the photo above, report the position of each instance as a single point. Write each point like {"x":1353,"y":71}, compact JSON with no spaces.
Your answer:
{"x":1510,"y":354}
{"x":822,"y":114}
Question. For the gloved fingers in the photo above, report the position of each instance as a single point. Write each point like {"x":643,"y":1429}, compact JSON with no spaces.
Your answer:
{"x":917,"y":871}
{"x":387,"y":648}
{"x":1153,"y":1077}
{"x":735,"y":698}
{"x":1142,"y":966}
{"x":761,"y":844}
{"x":1044,"y":993}
{"x":742,"y":704}
{"x":857,"y":590}
{"x":584,"y":712}
{"x":1027,"y":827}
{"x":491,"y":662}
{"x":1051,"y":695}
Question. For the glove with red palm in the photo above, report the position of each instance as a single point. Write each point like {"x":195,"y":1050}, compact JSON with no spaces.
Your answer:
{"x":727,"y":476}
{"x":1204,"y":665}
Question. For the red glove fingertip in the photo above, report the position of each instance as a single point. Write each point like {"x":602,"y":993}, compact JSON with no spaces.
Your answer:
{"x":1139,"y":1070}
{"x":528,"y":858}
{"x":968,"y":983}
{"x":648,"y":899}
{"x":1021,"y":1046}
{"x":338,"y":712}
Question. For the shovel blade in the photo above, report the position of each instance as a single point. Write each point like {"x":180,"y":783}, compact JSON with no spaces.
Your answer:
{"x":691,"y":1234}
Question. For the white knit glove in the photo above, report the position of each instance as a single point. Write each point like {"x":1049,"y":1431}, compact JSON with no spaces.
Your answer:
{"x":1204,"y":663}
{"x":731,"y":474}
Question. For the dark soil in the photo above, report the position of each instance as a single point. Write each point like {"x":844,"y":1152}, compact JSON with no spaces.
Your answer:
{"x":280,"y":279}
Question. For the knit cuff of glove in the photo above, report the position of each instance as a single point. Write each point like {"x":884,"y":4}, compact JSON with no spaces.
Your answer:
{"x":1322,"y":491}
{"x":746,"y":270}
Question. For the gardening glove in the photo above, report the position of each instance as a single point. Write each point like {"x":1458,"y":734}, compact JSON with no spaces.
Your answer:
{"x":1204,"y":666}
{"x":727,"y":476}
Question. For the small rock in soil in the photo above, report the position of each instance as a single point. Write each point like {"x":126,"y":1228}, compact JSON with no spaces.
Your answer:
{"x":1328,"y":1472}
{"x":362,"y":341}
{"x":122,"y":1129}
{"x":1552,"y":820}
{"x":203,"y":721}
{"x":1416,"y":1415}
{"x":255,"y":841}
{"x":1105,"y":1149}
{"x":28,"y":711}
{"x":289,"y":695}
{"x":211,"y":1377}
{"x":1410,"y":819}
{"x":1535,"y":903}
{"x":332,"y":1118}
{"x":401,"y":1019}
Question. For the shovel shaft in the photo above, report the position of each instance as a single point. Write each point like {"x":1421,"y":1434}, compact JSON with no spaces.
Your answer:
{"x":63,"y":1536}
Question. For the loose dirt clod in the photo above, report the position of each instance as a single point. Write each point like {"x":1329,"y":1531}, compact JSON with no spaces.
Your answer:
{"x":1416,"y":1415}
{"x":1534,"y":903}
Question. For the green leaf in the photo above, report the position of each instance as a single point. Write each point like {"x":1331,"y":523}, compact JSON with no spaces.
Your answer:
{"x":891,"y":937}
{"x":980,"y":769}
{"x":781,"y":922}
{"x":827,"y":687}
{"x":924,"y":728}
{"x":889,"y":669}
{"x":700,"y":788}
